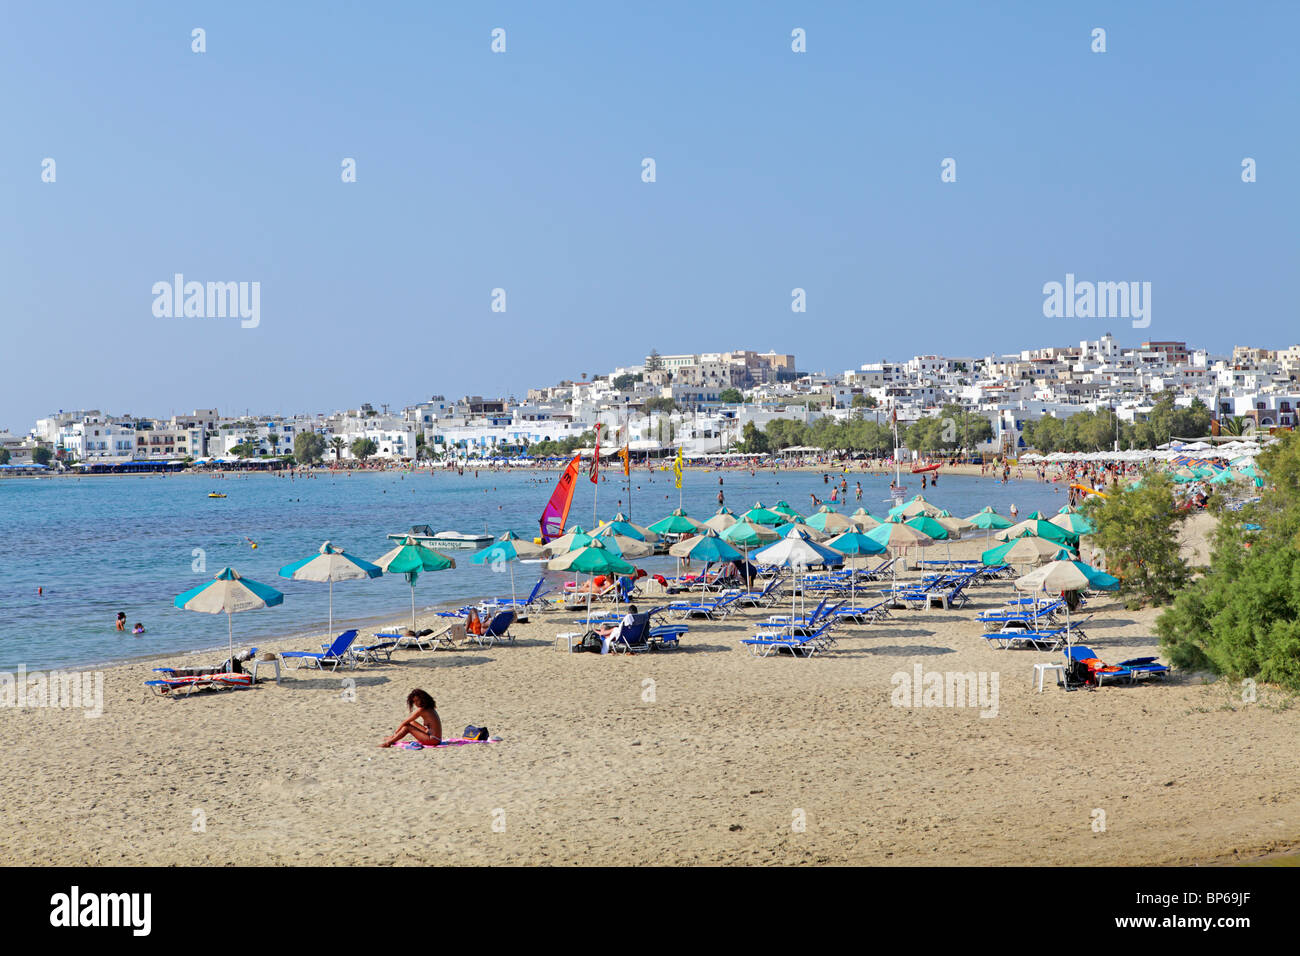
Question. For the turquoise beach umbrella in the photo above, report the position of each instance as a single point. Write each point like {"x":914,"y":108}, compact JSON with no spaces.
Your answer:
{"x":411,"y":559}
{"x":764,"y":516}
{"x":229,"y":593}
{"x":679,"y":522}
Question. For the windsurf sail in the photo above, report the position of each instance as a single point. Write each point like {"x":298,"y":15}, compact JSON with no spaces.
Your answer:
{"x":556,"y":512}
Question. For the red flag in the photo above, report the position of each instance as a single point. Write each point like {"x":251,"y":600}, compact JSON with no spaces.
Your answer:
{"x":595,"y":459}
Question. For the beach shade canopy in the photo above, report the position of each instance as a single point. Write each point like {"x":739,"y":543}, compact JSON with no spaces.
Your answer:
{"x":852,"y":543}
{"x":952,"y":524}
{"x":707,"y":547}
{"x":524,"y":548}
{"x":988,"y":518}
{"x":679,"y":522}
{"x":504,"y":552}
{"x":898,"y":536}
{"x":760,"y":515}
{"x":330,"y":564}
{"x":1074,"y":523}
{"x":1067,"y":576}
{"x":721,"y":520}
{"x":917,"y":506}
{"x":1039,"y":529}
{"x":829,"y":521}
{"x":593,"y":558}
{"x":228,"y":594}
{"x":864,"y":519}
{"x":782,"y":507}
{"x":796,"y":550}
{"x":575,"y":537}
{"x":411,"y":559}
{"x":622,"y":544}
{"x":1025,"y":550}
{"x":745,"y":535}
{"x":807,"y":531}
{"x":622,"y":524}
{"x":929,"y":525}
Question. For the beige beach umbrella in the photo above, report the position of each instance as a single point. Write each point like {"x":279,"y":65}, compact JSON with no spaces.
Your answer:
{"x":864,"y":520}
{"x":721,"y":521}
{"x":919,"y":506}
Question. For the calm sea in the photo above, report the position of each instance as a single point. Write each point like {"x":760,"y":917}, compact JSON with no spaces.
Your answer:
{"x":97,"y":546}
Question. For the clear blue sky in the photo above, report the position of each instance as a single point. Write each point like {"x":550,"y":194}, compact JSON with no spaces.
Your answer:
{"x":522,"y":171}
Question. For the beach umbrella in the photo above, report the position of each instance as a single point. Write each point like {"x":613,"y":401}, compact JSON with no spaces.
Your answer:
{"x":411,"y":559}
{"x":723,"y":519}
{"x":1039,"y":529}
{"x":594,"y":558}
{"x":706,"y":547}
{"x":622,"y":525}
{"x":1024,"y":550}
{"x":988,"y":519}
{"x":760,"y":515}
{"x":782,"y":507}
{"x":330,"y":564}
{"x":228,"y":593}
{"x":506,"y":550}
{"x":864,"y":519}
{"x":952,"y":524}
{"x":622,"y":544}
{"x":806,"y":530}
{"x":744,"y":535}
{"x":1067,"y":575}
{"x":898,"y":537}
{"x":855,"y":544}
{"x":928,"y":525}
{"x":797,"y":552}
{"x":829,"y":521}
{"x":575,"y":537}
{"x":679,"y":522}
{"x":917,"y":506}
{"x":1074,"y":523}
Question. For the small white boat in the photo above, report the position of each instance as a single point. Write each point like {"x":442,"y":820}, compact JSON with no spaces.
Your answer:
{"x":444,"y":540}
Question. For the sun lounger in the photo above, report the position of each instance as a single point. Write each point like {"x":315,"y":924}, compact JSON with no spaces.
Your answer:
{"x":666,"y":636}
{"x":1084,"y":666}
{"x":330,"y":655}
{"x":765,"y":644}
{"x":497,"y":630}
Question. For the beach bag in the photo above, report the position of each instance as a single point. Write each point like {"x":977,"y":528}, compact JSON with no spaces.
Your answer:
{"x":591,"y":642}
{"x":475,"y":733}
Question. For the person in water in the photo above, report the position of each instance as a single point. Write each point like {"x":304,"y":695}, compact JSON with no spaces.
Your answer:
{"x":138,"y":629}
{"x":423,"y":725}
{"x":121,"y":620}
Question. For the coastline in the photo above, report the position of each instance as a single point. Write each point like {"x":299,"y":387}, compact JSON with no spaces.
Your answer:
{"x":592,"y":754}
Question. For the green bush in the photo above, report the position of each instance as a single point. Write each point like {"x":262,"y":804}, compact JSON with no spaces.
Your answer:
{"x":1242,"y":619}
{"x":1137,"y":528}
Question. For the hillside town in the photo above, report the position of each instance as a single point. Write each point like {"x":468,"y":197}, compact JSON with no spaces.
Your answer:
{"x":710,"y":404}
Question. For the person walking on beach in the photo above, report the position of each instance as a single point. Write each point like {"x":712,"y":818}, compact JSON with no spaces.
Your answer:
{"x":424,"y":724}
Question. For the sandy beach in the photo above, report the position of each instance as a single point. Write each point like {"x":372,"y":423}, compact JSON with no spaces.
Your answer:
{"x":700,"y":755}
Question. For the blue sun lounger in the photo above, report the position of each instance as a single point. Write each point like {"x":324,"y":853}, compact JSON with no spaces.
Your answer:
{"x":339,"y":652}
{"x":765,"y":645}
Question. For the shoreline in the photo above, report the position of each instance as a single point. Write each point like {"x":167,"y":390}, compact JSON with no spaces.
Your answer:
{"x":588,"y":761}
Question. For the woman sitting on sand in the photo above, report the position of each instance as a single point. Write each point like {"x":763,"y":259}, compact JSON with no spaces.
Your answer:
{"x":423,"y":725}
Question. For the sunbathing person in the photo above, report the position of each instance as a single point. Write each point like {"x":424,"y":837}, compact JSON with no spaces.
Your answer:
{"x":596,"y":585}
{"x":423,"y":725}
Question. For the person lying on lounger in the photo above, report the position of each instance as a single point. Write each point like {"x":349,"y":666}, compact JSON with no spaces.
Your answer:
{"x":423,"y":725}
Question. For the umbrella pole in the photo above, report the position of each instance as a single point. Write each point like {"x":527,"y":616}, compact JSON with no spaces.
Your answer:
{"x":230,"y":631}
{"x":331,"y":631}
{"x":412,"y":605}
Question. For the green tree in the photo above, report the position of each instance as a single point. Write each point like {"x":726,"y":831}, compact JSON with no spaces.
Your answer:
{"x":363,"y":448}
{"x":624,"y":383}
{"x":753,"y":441}
{"x":338,"y":444}
{"x":1242,"y":617}
{"x":862,"y":400}
{"x":246,"y":449}
{"x":4,"y":456}
{"x":308,"y":448}
{"x":653,"y":362}
{"x":1137,"y":528}
{"x":660,"y":404}
{"x":731,"y":396}
{"x":41,"y":455}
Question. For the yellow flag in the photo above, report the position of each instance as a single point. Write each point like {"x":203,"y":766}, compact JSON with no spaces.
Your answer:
{"x":677,"y":467}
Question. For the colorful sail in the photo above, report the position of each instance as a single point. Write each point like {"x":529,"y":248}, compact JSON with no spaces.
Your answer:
{"x":556,"y":512}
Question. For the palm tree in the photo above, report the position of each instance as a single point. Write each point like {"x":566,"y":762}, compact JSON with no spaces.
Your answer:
{"x":338,"y":444}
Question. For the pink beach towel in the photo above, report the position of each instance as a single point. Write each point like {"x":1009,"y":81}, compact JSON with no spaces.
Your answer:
{"x":416,"y":745}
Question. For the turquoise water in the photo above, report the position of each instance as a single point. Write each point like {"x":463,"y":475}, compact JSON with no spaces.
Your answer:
{"x":127,"y":543}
